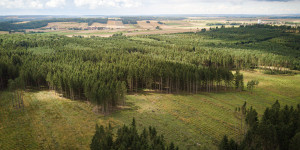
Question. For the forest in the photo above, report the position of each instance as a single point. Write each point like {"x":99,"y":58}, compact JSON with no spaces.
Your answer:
{"x":101,"y":75}
{"x":220,"y":24}
{"x":25,"y":18}
{"x":103,"y":70}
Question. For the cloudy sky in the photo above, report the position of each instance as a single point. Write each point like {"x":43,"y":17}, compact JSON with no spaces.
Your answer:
{"x":147,"y":7}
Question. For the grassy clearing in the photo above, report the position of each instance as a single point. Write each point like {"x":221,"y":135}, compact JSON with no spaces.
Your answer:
{"x":47,"y":122}
{"x":192,"y":121}
{"x":41,"y":50}
{"x":200,"y":121}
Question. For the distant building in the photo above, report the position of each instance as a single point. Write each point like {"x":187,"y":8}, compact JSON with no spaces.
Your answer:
{"x":54,"y":28}
{"x":258,"y":21}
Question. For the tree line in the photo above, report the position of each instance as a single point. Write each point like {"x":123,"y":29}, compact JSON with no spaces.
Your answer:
{"x":279,"y":128}
{"x":8,"y":25}
{"x":133,"y":20}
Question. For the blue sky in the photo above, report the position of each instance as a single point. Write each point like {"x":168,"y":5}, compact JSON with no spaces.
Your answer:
{"x":147,"y":7}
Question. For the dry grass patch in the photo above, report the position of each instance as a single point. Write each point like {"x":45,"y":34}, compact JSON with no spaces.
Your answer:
{"x":4,"y":32}
{"x":49,"y":122}
{"x":115,"y":24}
{"x":21,"y":22}
{"x":66,"y":25}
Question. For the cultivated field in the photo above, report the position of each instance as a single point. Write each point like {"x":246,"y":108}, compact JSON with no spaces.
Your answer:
{"x":3,"y":32}
{"x":49,"y":121}
{"x":64,"y":25}
{"x":115,"y":24}
{"x":152,"y":25}
{"x":191,"y":24}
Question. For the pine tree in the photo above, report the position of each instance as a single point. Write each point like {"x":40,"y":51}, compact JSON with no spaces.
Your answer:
{"x":224,"y":145}
{"x":295,"y":142}
{"x":251,"y":117}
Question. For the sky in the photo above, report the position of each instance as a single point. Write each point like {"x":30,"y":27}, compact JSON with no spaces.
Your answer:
{"x":147,"y":7}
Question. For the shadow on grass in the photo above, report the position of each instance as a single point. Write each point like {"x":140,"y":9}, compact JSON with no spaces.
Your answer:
{"x":146,"y":92}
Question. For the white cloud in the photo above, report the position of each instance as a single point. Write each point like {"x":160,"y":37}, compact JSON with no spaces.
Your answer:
{"x":149,"y":7}
{"x":93,"y":4}
{"x":36,"y":4}
{"x":25,"y":4}
{"x":56,"y":3}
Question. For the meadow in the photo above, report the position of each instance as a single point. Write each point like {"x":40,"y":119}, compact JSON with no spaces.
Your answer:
{"x":195,"y":121}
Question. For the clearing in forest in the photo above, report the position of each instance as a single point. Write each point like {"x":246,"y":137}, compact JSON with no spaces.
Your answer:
{"x":195,"y":121}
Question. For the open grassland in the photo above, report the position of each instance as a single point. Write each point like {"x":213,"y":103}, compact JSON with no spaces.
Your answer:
{"x":151,"y":25}
{"x":197,"y":121}
{"x":46,"y":122}
{"x":115,"y":24}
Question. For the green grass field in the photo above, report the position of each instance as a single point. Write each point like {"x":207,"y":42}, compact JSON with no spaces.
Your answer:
{"x":49,"y":121}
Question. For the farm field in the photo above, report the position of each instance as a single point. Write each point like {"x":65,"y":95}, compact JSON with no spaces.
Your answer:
{"x":195,"y":121}
{"x":190,"y":24}
{"x":3,"y":32}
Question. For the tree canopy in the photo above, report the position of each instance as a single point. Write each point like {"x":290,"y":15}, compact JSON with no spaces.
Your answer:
{"x":103,"y":70}
{"x":127,"y":137}
{"x":279,"y":128}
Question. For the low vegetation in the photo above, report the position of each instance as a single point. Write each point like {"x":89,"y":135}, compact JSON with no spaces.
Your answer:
{"x":195,"y":121}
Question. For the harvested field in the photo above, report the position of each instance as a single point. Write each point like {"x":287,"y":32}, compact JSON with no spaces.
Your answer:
{"x":151,"y":25}
{"x":191,"y":24}
{"x":3,"y":32}
{"x":98,"y":25}
{"x":114,"y":24}
{"x":66,"y":25}
{"x":21,"y":22}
